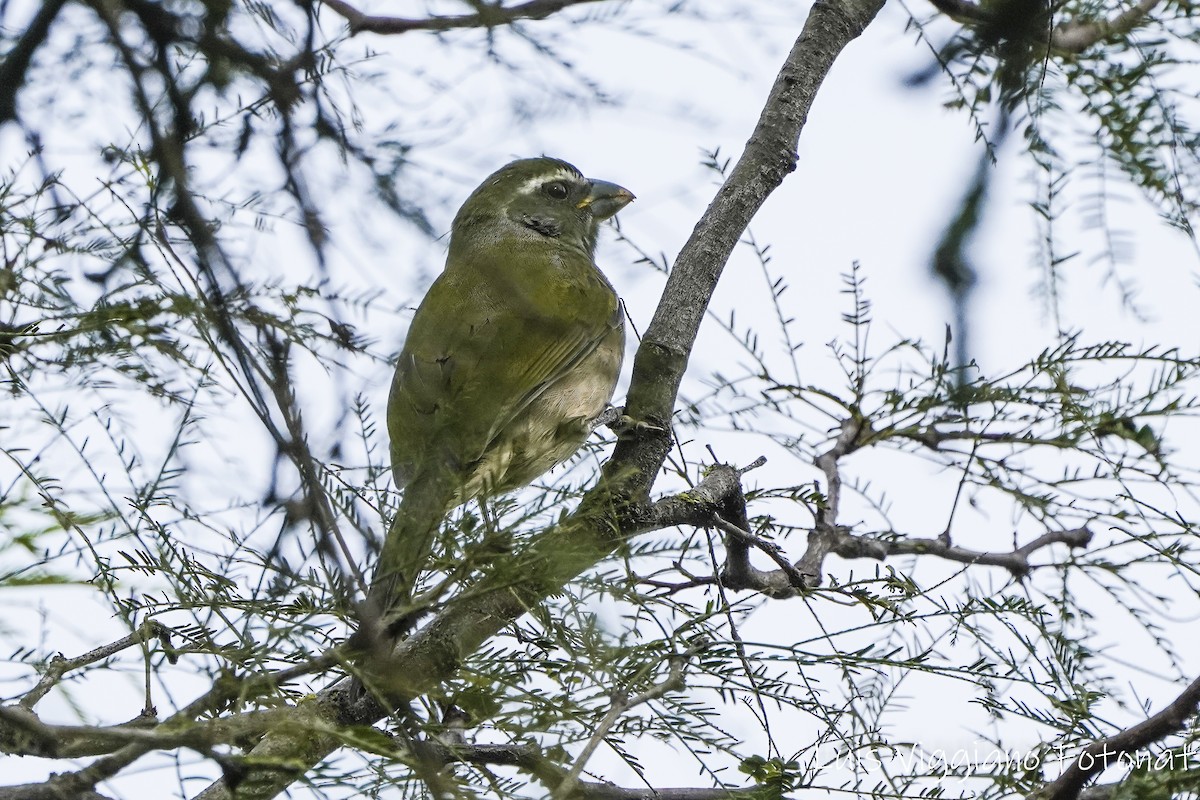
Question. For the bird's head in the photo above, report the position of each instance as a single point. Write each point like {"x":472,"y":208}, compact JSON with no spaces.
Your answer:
{"x":539,"y":197}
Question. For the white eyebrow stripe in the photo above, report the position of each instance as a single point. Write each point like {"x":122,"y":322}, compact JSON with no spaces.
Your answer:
{"x":561,"y":175}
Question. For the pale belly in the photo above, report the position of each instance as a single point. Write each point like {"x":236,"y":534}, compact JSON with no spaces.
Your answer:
{"x":551,"y":428}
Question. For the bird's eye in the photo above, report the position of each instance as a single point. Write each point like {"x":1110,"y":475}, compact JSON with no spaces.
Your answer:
{"x":556,"y":189}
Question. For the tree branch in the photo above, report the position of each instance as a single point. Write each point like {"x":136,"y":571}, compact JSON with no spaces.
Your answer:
{"x":529,"y":759}
{"x":1076,"y":36}
{"x":769,"y":156}
{"x":58,"y":666}
{"x":23,"y":733}
{"x":488,"y":16}
{"x":1067,"y":38}
{"x":739,"y":574}
{"x":1099,"y":755}
{"x":845,"y":443}
{"x":56,"y":788}
{"x":782,"y":583}
{"x":617,"y":507}
{"x":15,"y":63}
{"x":848,"y":545}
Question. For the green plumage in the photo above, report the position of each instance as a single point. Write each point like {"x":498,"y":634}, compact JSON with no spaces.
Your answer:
{"x":516,"y":347}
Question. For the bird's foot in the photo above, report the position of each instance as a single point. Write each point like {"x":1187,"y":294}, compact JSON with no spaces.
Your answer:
{"x":616,"y":420}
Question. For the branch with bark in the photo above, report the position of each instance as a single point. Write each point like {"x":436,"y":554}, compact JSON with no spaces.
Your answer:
{"x":1101,"y":754}
{"x":719,"y":503}
{"x":531,"y":760}
{"x":58,"y":666}
{"x":488,"y":16}
{"x":790,"y":578}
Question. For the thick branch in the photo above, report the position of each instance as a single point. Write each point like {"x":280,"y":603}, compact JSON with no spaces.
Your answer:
{"x":22,"y":733}
{"x":488,"y":16}
{"x":56,"y":788}
{"x":769,"y":156}
{"x":1099,"y":755}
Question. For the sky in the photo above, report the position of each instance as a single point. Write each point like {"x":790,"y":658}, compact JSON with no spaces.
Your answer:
{"x":881,"y":170}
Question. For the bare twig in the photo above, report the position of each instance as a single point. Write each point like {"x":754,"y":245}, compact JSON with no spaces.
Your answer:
{"x":58,"y":666}
{"x":1101,"y":754}
{"x":848,"y":545}
{"x":827,"y":462}
{"x":488,"y":16}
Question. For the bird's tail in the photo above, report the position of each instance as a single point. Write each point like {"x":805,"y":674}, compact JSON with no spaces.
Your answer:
{"x":406,"y":551}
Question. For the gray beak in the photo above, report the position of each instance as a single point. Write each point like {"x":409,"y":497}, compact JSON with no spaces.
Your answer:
{"x":605,"y":199}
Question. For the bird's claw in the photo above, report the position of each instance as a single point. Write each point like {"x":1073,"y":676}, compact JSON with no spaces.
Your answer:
{"x":616,"y":420}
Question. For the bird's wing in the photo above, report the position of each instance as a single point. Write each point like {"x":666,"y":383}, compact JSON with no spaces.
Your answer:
{"x":464,"y":376}
{"x":558,"y":357}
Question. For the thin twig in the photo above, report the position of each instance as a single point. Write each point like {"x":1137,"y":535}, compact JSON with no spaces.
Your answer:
{"x":621,"y":703}
{"x":58,"y":666}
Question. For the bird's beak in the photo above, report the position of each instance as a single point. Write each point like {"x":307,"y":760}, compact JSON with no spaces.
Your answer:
{"x":605,"y":199}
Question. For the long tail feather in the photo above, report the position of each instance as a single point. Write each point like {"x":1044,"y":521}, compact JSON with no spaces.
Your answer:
{"x":407,"y":548}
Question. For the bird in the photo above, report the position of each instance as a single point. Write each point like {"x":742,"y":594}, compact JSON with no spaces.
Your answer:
{"x":513,"y":354}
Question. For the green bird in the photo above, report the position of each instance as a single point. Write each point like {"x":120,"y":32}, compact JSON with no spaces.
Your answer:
{"x":512,"y":355}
